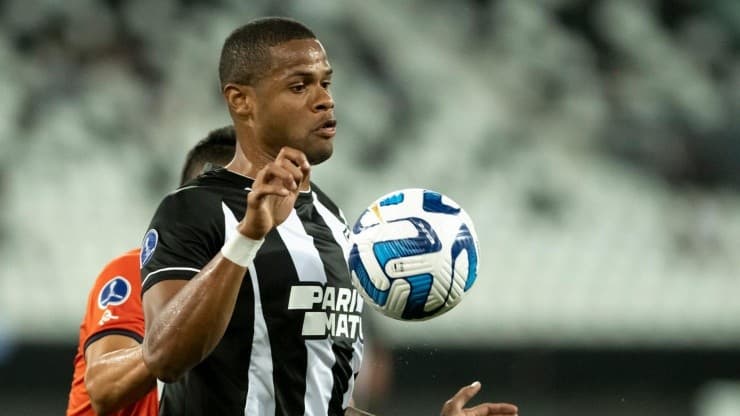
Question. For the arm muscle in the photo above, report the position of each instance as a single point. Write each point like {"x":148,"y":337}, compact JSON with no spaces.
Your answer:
{"x":185,"y":320}
{"x":115,"y":374}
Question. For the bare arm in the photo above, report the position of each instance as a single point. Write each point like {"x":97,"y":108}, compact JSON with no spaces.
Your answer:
{"x":115,"y":375}
{"x":185,"y":320}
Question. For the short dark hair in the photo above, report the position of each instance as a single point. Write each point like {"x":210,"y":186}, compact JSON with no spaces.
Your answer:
{"x":215,"y":149}
{"x":245,"y":56}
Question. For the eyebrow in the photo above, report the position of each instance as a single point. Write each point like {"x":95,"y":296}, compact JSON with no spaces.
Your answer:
{"x":308,"y":74}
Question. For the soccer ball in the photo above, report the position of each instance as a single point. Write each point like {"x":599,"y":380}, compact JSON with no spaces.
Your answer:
{"x":414,"y":254}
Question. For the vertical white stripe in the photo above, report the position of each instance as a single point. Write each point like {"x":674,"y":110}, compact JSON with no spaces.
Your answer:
{"x":261,"y":393}
{"x":337,"y":227}
{"x":319,"y":379}
{"x":320,"y":358}
{"x":230,"y":222}
{"x":160,"y":390}
{"x":305,"y":257}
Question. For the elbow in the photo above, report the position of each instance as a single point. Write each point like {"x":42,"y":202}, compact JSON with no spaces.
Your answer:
{"x":100,"y":407}
{"x":163,"y":366}
{"x":169,"y":374}
{"x":102,"y":399}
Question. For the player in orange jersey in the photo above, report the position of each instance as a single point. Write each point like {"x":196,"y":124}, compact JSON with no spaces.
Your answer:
{"x":109,"y":374}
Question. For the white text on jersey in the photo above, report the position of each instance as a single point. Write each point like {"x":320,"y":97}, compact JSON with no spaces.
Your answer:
{"x":333,"y":311}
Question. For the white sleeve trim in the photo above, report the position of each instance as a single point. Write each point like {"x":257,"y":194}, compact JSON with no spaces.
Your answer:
{"x":166,"y":269}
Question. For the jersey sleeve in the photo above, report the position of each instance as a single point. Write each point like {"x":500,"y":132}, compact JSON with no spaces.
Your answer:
{"x":114,"y":303}
{"x":185,"y":233}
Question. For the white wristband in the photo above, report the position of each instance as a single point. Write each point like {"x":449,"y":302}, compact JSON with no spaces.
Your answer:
{"x":241,"y":249}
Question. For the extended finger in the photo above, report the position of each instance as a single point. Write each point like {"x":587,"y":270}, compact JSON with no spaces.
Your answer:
{"x":282,"y":174}
{"x":493,"y":409}
{"x":294,"y":170}
{"x":269,"y":181}
{"x":295,"y":156}
{"x":463,"y":396}
{"x":268,"y":189}
{"x":306,"y":170}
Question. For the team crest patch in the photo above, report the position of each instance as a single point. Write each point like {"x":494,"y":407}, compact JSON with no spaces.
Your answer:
{"x":114,"y":292}
{"x":148,"y":246}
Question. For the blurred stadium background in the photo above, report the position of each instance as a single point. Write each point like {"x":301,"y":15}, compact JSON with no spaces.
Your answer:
{"x":596,"y":144}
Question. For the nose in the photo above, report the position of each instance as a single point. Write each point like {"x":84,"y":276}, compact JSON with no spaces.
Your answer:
{"x":323,"y":101}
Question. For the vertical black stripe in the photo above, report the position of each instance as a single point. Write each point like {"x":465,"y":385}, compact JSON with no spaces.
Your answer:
{"x":276,"y":274}
{"x":218,"y":384}
{"x":226,"y":375}
{"x":337,"y":275}
{"x":341,"y":373}
{"x":332,"y":256}
{"x":235,"y":348}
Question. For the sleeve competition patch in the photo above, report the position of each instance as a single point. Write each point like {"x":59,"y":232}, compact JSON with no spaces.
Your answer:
{"x":115,"y":292}
{"x":148,"y":246}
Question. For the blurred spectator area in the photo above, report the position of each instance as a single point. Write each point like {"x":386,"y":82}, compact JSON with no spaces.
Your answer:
{"x":594,"y":143}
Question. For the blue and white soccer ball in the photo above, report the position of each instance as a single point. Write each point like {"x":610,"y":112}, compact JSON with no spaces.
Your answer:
{"x":414,"y":254}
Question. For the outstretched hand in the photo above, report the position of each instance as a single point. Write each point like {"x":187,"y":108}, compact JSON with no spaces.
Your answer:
{"x":274,"y":192}
{"x":454,"y":406}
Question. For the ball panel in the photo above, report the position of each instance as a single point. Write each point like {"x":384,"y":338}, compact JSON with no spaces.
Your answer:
{"x":440,"y":290}
{"x":360,"y":274}
{"x":397,"y":297}
{"x":420,"y":286}
{"x":410,"y":266}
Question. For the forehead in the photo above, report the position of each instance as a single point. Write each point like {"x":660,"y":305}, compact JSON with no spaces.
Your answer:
{"x":305,"y":55}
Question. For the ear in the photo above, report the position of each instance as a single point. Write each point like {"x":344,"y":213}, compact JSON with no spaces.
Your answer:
{"x":240,"y":99}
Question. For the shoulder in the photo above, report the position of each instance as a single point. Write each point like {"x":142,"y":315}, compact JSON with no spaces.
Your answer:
{"x":206,"y":190}
{"x":120,"y":277}
{"x":192,"y":200}
{"x":192,"y":194}
{"x":114,"y":302}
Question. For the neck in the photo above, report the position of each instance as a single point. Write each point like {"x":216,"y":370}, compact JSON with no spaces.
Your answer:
{"x":246,"y":163}
{"x":250,"y":157}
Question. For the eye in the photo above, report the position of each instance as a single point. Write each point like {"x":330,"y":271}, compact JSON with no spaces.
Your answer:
{"x":326,"y":84}
{"x":298,"y":88}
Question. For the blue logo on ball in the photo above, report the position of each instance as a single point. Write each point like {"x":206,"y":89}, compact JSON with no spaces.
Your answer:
{"x":114,"y":293}
{"x":464,"y":241}
{"x":433,"y":203}
{"x":148,"y":246}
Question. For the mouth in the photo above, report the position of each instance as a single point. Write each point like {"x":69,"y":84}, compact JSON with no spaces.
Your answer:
{"x":327,"y":129}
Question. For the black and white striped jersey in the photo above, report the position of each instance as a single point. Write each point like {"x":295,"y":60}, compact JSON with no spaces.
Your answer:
{"x":294,"y":344}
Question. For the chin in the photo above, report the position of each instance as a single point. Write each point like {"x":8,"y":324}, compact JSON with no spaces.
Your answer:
{"x":318,"y":156}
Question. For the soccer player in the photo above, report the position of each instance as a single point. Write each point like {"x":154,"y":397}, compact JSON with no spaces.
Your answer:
{"x":247,"y":297}
{"x":109,"y":374}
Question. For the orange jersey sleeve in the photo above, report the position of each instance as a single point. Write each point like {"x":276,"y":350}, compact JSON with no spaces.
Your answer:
{"x":113,"y":307}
